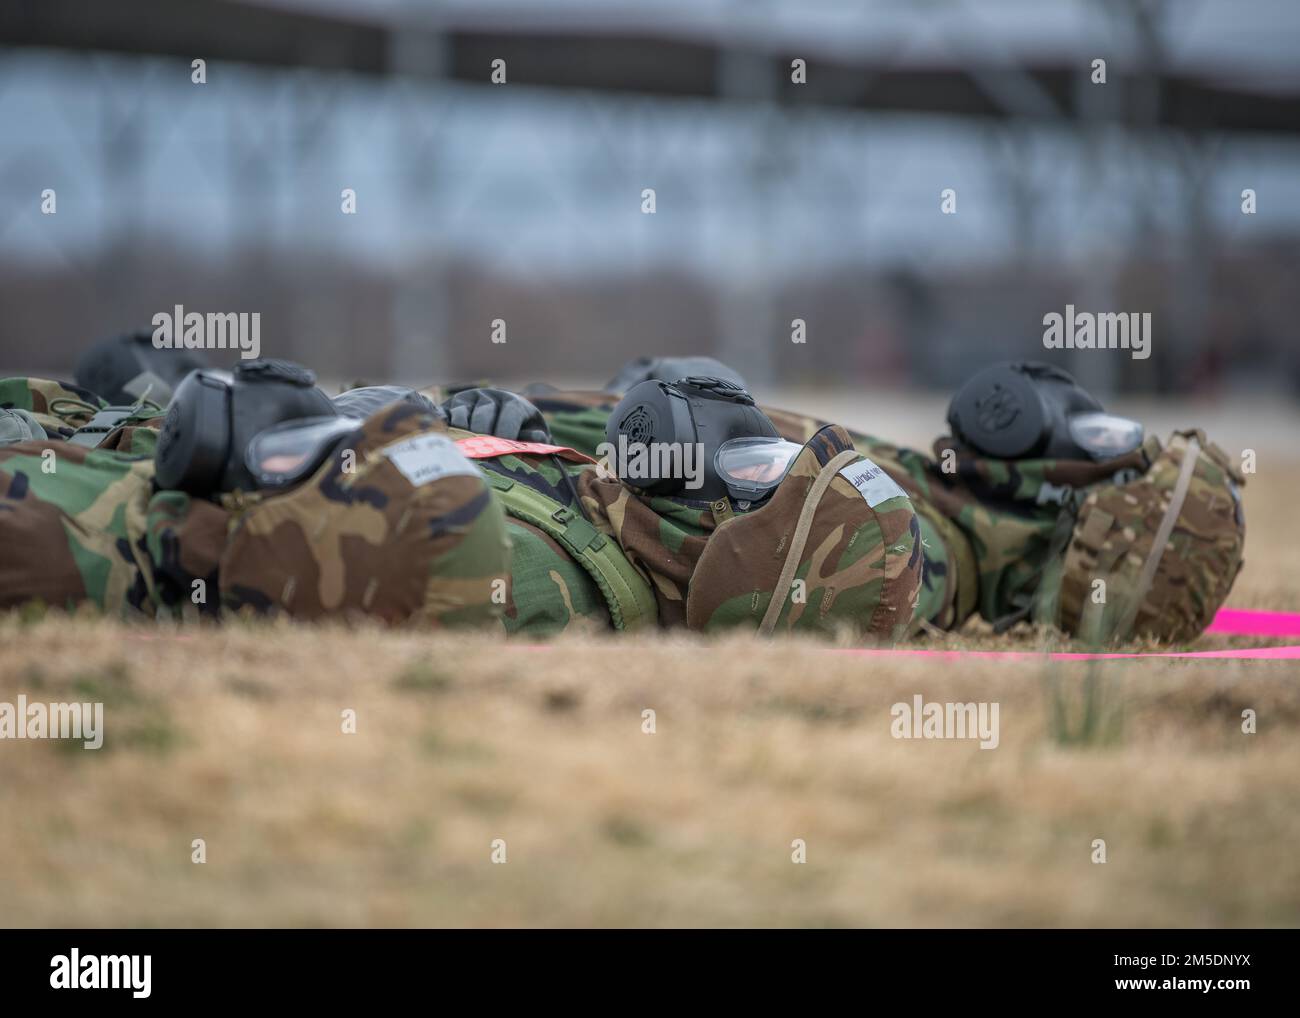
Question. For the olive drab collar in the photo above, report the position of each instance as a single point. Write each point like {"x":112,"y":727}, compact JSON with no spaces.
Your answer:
{"x":662,"y":537}
{"x":1038,"y":482}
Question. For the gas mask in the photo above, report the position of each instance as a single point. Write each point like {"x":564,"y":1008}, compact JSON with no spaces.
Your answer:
{"x":699,"y":438}
{"x":126,"y":369}
{"x":1030,"y":410}
{"x":264,"y":426}
{"x":215,"y":414}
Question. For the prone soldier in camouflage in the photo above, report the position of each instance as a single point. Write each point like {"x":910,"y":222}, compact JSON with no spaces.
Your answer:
{"x":823,"y":550}
{"x":363,"y":536}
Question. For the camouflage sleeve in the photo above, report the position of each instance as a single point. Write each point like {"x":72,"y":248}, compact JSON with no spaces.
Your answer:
{"x":549,"y":592}
{"x":662,"y":539}
{"x":70,"y":520}
{"x":134,"y":439}
{"x":183,"y":542}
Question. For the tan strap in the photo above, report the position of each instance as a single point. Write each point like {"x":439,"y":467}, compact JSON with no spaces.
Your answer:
{"x":800,"y":538}
{"x":1166,"y":528}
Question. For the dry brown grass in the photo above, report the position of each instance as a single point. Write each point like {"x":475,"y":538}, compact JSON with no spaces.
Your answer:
{"x":234,"y":736}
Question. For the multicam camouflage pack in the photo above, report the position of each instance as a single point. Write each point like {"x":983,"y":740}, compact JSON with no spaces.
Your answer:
{"x":1043,"y":531}
{"x":1167,"y":545}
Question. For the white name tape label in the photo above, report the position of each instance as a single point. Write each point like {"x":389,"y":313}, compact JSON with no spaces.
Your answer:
{"x":872,"y":483}
{"x":426,"y":458}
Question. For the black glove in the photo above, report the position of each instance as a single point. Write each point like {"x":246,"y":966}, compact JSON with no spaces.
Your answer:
{"x":496,"y":412}
{"x":669,"y":369}
{"x":364,"y":401}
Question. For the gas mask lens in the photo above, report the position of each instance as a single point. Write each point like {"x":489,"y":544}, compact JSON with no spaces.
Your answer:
{"x":752,"y":467}
{"x":1105,"y":436}
{"x":287,"y":453}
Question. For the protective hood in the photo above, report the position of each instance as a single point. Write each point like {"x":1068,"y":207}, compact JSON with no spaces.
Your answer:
{"x":395,"y":524}
{"x":837,"y":547}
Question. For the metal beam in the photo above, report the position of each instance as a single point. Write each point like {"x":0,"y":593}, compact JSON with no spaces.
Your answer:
{"x":618,"y":59}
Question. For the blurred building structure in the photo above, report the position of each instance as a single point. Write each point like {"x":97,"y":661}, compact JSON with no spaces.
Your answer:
{"x":775,"y":199}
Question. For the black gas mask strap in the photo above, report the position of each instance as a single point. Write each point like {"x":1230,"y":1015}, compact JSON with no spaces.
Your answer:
{"x":573,"y":490}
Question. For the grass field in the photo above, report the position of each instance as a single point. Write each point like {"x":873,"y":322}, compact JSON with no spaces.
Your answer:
{"x":235,"y":736}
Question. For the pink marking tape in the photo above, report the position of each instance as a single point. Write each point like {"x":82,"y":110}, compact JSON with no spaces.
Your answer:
{"x":1235,"y":622}
{"x":1291,"y":653}
{"x":1229,"y":621}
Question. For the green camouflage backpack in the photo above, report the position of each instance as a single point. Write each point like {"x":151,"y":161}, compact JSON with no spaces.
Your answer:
{"x":71,"y":524}
{"x":550,"y":535}
{"x":32,"y":409}
{"x":45,"y":408}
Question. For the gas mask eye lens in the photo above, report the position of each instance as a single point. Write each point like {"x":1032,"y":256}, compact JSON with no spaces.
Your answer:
{"x":752,"y":467}
{"x":1105,"y":436}
{"x":287,"y":453}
